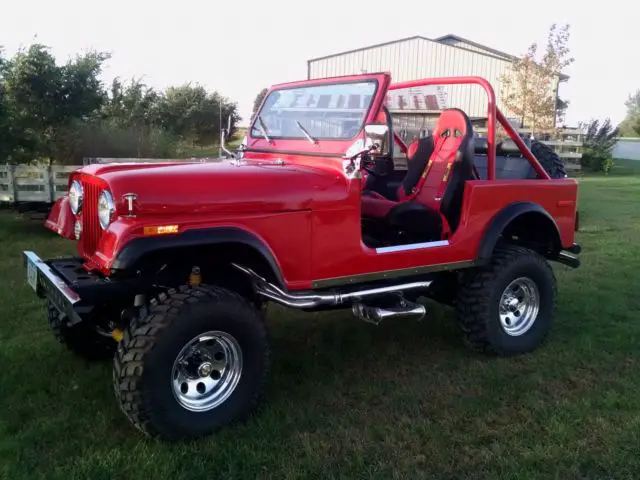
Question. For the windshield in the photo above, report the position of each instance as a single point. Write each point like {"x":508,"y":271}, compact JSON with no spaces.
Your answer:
{"x":335,"y":111}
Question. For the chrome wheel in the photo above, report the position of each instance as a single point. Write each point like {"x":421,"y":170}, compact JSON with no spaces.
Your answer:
{"x":519,"y":306}
{"x":207,"y":371}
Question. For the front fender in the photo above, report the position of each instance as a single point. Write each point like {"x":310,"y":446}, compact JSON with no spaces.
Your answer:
{"x":60,"y":219}
{"x":134,"y":251}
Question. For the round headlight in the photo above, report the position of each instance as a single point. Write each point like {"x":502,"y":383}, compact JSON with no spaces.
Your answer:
{"x":106,"y":209}
{"x":76,"y":195}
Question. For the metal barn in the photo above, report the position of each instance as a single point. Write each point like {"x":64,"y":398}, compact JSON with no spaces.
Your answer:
{"x":419,"y":57}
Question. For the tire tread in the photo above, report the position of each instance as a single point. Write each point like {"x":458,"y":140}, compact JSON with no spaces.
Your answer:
{"x":140,"y":337}
{"x":475,"y":294}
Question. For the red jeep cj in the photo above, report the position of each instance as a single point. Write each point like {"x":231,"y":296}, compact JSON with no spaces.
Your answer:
{"x":177,"y":261}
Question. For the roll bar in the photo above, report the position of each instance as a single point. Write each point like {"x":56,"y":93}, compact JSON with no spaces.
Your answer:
{"x":493,"y":115}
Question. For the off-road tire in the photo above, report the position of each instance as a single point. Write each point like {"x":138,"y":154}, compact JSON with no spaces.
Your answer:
{"x":549,"y":159}
{"x":477,"y":305}
{"x":81,"y":338}
{"x":145,"y":356}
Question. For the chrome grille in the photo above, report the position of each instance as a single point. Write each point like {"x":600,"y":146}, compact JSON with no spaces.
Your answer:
{"x":91,"y":230}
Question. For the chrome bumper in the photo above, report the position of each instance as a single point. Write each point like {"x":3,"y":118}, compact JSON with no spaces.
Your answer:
{"x":48,"y":284}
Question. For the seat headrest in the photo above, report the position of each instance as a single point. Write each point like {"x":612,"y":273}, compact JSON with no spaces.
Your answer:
{"x":453,"y":122}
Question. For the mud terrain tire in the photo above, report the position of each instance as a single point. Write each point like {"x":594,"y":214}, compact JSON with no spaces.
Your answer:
{"x":549,"y":159}
{"x":506,"y":308}
{"x":146,"y":362}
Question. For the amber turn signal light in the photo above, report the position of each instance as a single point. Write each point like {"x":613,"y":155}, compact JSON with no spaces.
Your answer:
{"x":161,"y":230}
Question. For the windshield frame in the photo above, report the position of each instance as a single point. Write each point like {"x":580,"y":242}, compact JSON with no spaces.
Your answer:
{"x":255,"y":122}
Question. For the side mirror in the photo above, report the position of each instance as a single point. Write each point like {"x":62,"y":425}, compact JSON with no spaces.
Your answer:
{"x":377,"y":134}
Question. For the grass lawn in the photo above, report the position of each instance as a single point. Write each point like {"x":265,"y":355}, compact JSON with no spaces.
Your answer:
{"x":350,"y":400}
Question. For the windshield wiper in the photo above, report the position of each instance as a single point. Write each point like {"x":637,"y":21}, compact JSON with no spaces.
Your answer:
{"x":306,"y":134}
{"x":263,"y":129}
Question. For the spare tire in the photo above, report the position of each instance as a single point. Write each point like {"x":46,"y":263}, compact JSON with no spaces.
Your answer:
{"x":549,"y":159}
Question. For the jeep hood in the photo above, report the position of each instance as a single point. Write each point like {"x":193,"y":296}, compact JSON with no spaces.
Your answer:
{"x":222,"y":187}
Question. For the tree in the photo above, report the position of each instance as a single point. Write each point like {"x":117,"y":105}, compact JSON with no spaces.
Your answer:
{"x":63,"y":112}
{"x":561,"y":109}
{"x":7,"y":134}
{"x":529,"y":87}
{"x":599,"y":141}
{"x":132,"y":104}
{"x":630,"y":126}
{"x":258,"y":100}
{"x":193,"y":114}
{"x":41,"y":98}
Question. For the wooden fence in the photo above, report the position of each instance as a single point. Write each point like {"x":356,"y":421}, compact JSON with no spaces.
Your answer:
{"x":45,"y":184}
{"x":27,"y":183}
{"x":38,"y":184}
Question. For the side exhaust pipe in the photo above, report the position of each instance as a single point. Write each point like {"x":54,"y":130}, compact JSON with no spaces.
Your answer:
{"x":405,"y":310}
{"x":315,"y":300}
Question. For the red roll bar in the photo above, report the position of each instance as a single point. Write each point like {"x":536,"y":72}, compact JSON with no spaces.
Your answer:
{"x":493,"y":113}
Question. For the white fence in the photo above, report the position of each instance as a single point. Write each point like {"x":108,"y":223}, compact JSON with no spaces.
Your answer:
{"x":40,"y":184}
{"x":27,"y":183}
{"x":37,"y":184}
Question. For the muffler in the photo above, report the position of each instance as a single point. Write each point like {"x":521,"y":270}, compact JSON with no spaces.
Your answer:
{"x":329,"y":299}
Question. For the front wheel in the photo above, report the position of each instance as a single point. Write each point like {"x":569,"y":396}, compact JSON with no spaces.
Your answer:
{"x":507,"y":307}
{"x":193,"y":361}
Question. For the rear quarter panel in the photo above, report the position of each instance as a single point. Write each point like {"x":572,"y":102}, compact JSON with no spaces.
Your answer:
{"x":338,"y":251}
{"x":483,"y":200}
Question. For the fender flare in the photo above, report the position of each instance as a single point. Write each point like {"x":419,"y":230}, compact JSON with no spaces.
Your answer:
{"x":139,"y":247}
{"x":500,"y":222}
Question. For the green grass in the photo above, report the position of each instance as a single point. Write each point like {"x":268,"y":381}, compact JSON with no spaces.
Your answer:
{"x":350,"y":400}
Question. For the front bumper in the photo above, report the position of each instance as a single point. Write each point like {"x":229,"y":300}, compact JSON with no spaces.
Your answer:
{"x":74,"y":291}
{"x":48,"y":284}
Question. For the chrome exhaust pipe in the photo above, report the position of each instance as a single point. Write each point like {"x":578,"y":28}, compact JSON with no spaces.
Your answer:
{"x":406,"y":310}
{"x":315,"y":300}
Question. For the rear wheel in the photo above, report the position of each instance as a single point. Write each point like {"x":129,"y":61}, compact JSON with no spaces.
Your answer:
{"x":193,"y":361}
{"x":83,"y":338}
{"x":506,"y":308}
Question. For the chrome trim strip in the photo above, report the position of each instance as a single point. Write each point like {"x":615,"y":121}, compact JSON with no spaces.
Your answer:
{"x":413,"y":246}
{"x":370,"y":277}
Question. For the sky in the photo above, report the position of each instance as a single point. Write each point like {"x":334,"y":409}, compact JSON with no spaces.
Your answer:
{"x":238,"y":48}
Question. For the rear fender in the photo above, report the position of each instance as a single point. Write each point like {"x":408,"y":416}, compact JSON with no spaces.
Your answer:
{"x":545,"y":226}
{"x":60,"y":219}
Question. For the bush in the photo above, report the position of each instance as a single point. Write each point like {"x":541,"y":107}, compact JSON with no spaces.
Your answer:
{"x":598,"y":144}
{"x":103,"y":139}
{"x":596,"y":162}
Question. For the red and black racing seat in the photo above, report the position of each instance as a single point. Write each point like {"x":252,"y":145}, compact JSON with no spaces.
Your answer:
{"x":429,"y":199}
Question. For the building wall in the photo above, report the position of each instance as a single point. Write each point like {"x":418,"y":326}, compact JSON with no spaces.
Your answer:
{"x":627,"y":148}
{"x":417,"y":58}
